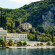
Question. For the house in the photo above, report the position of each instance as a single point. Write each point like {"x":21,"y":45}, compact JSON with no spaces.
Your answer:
{"x":26,"y":26}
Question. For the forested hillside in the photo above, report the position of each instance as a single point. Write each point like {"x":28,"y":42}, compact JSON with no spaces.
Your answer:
{"x":39,"y":14}
{"x":31,"y":13}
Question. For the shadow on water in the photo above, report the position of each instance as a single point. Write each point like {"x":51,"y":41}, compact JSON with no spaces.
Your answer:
{"x":27,"y":51}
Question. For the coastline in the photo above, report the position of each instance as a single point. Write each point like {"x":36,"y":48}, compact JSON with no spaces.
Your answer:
{"x":33,"y":47}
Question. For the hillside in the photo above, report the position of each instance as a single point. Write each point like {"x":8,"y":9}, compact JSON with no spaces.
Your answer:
{"x":40,"y":14}
{"x":31,"y":13}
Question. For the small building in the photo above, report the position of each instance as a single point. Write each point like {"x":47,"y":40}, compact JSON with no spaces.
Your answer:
{"x":26,"y":26}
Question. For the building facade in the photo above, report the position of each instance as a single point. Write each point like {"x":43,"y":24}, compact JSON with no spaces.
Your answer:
{"x":3,"y":33}
{"x":26,"y":26}
{"x":13,"y":36}
{"x":16,"y":37}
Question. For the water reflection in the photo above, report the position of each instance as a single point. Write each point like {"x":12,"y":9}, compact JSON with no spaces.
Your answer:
{"x":24,"y":51}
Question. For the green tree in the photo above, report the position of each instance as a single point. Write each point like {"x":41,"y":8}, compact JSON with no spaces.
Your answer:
{"x":1,"y":18}
{"x":11,"y":27}
{"x":17,"y":23}
{"x":53,"y":43}
{"x":48,"y":43}
{"x":32,"y":30}
{"x":4,"y":20}
{"x":19,"y":43}
{"x":2,"y":42}
{"x":24,"y":43}
{"x":40,"y":29}
{"x":41,"y":43}
{"x":10,"y":42}
{"x":38,"y":44}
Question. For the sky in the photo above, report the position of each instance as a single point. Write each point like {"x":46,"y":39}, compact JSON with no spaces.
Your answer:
{"x":12,"y":4}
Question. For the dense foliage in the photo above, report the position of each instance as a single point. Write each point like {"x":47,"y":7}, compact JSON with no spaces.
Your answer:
{"x":10,"y":42}
{"x":21,"y":43}
{"x":31,"y":13}
{"x":2,"y":43}
{"x":48,"y":43}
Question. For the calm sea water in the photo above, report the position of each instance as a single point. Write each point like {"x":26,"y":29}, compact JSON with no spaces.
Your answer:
{"x":27,"y":51}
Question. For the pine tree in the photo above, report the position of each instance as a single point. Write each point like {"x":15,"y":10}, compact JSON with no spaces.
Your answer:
{"x":5,"y":20}
{"x":1,"y":19}
{"x":11,"y":27}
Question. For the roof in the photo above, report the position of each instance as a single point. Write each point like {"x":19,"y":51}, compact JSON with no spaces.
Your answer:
{"x":26,"y":23}
{"x":11,"y":34}
{"x":1,"y":29}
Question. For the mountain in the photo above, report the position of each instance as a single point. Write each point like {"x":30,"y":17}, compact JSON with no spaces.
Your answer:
{"x":49,"y":18}
{"x":33,"y":13}
{"x":40,"y":14}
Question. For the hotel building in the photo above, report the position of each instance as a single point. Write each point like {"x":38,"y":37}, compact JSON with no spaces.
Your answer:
{"x":13,"y":36}
{"x":16,"y":37}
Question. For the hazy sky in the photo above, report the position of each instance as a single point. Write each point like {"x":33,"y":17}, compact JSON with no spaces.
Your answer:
{"x":15,"y":3}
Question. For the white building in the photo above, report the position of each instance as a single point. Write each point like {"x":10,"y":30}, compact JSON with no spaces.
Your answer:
{"x":13,"y":36}
{"x":16,"y":37}
{"x":26,"y":26}
{"x":3,"y":33}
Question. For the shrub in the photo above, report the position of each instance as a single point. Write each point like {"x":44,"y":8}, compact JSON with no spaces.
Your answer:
{"x":2,"y":43}
{"x":10,"y":42}
{"x":38,"y":44}
{"x":41,"y":43}
{"x":24,"y":43}
{"x":48,"y":43}
{"x":19,"y":43}
{"x":53,"y":43}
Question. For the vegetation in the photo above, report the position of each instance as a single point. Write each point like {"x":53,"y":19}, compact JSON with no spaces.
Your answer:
{"x":53,"y":43}
{"x":2,"y":43}
{"x":21,"y":43}
{"x":38,"y":44}
{"x":10,"y":43}
{"x":31,"y":13}
{"x":24,"y":43}
{"x":48,"y":43}
{"x":41,"y":43}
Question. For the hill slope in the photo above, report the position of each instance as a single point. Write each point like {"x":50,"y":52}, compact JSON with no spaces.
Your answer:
{"x":31,"y":13}
{"x":39,"y":14}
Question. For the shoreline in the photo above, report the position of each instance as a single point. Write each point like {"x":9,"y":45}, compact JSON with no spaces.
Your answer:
{"x":33,"y":47}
